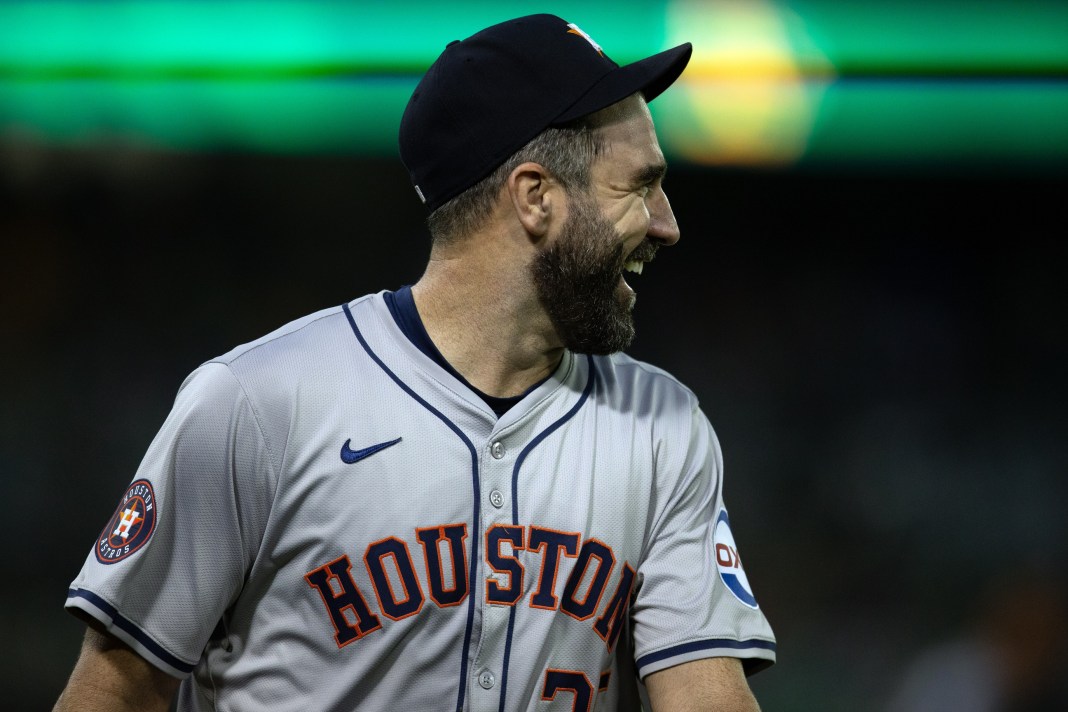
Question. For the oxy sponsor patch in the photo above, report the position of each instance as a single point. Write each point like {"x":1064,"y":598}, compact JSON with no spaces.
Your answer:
{"x":131,"y":526}
{"x":730,"y":564}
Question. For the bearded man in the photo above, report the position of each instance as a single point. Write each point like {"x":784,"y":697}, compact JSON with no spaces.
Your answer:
{"x":460,"y":494}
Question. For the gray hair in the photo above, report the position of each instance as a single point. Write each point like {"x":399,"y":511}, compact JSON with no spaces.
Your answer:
{"x":567,"y":152}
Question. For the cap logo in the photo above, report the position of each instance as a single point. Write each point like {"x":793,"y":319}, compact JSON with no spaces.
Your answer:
{"x":576,"y":30}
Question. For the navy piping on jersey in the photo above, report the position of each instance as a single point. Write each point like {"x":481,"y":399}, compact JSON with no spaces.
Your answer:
{"x":704,"y":645}
{"x":515,"y":504}
{"x":401,"y":306}
{"x":136,"y":633}
{"x":474,"y":483}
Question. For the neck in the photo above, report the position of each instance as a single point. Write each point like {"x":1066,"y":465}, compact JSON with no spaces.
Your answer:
{"x":481,"y":312}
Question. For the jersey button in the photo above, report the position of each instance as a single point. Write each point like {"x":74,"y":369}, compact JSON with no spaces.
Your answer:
{"x":486,"y":679}
{"x":497,"y":499}
{"x":497,"y":450}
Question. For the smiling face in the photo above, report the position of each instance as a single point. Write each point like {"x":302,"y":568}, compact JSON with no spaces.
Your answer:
{"x":617,"y":225}
{"x":627,"y":183}
{"x":578,"y":283}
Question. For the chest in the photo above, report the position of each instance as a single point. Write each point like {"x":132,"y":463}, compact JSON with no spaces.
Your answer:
{"x":423,"y":504}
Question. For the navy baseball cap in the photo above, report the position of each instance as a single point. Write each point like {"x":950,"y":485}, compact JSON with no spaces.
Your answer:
{"x":486,"y":96}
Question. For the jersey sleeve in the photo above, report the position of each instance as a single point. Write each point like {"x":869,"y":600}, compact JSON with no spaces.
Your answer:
{"x":174,"y":554}
{"x":692,"y":598}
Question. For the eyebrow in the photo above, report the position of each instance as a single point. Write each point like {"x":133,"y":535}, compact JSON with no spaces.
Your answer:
{"x":650,"y":173}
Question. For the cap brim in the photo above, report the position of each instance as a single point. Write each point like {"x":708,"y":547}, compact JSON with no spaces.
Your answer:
{"x":651,"y":76}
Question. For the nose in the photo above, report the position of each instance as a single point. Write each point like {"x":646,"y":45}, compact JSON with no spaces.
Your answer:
{"x":663,"y":228}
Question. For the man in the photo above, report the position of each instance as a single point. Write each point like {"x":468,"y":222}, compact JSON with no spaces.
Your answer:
{"x":458,"y":495}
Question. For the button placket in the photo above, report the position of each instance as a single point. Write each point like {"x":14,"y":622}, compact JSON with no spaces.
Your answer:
{"x":495,"y":481}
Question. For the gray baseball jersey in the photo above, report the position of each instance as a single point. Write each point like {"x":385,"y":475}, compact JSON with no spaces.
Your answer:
{"x":329,"y":520}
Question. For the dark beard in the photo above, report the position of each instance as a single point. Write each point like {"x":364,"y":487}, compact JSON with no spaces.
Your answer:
{"x":577,"y":280}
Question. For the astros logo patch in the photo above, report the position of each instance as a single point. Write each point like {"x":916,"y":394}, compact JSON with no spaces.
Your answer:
{"x":131,"y":526}
{"x":730,"y":564}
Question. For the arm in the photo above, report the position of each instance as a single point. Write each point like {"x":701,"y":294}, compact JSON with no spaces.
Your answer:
{"x":111,"y":677}
{"x":706,"y":685}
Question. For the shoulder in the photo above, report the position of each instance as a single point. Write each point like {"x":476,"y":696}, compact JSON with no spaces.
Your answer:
{"x":293,"y":362}
{"x":305,"y":336}
{"x":642,"y":398}
{"x":629,"y":384}
{"x":302,"y":349}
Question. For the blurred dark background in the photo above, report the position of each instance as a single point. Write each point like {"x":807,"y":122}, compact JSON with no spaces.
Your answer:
{"x":882,"y":356}
{"x":881,"y":346}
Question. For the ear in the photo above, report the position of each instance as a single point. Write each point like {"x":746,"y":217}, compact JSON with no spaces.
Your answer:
{"x":534,"y":194}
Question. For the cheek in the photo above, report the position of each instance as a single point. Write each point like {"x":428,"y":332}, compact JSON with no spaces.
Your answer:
{"x":635,"y":221}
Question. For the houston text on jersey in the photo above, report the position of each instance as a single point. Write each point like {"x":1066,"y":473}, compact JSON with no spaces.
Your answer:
{"x":395,"y":584}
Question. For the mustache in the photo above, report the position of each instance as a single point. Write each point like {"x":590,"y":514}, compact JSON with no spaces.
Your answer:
{"x":645,"y":252}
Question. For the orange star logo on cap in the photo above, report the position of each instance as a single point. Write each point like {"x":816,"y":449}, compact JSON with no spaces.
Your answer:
{"x":575,"y":30}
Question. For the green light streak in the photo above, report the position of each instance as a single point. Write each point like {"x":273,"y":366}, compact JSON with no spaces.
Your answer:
{"x":907,"y":81}
{"x":309,"y":116}
{"x":139,"y":38}
{"x":901,"y":122}
{"x":227,"y":38}
{"x":940,"y":36}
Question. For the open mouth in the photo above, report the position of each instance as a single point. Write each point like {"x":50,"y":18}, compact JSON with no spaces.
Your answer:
{"x":635,"y":262}
{"x":634,"y":266}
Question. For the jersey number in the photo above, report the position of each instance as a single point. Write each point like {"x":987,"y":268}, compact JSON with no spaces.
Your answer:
{"x":574,"y":682}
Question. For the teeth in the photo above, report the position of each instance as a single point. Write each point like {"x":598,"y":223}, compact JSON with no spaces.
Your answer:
{"x":634,"y":266}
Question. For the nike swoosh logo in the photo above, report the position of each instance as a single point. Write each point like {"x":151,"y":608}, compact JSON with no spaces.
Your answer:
{"x":349,"y":456}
